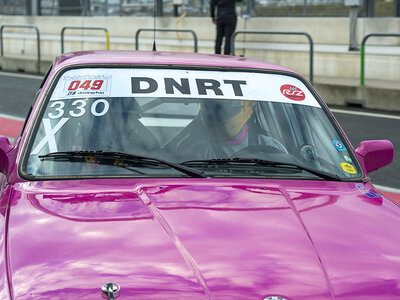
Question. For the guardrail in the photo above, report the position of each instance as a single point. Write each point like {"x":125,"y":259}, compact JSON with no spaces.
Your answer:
{"x":282,"y":33}
{"x":22,"y":26}
{"x":85,"y":28}
{"x":362,"y":68}
{"x":168,"y":30}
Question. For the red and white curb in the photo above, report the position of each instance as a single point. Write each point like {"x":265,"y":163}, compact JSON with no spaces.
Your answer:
{"x":389,"y":192}
{"x":10,"y":126}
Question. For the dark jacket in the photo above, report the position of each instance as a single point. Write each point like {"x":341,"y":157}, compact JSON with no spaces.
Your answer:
{"x":225,"y":7}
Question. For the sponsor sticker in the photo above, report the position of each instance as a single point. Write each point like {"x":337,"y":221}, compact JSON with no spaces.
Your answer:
{"x":367,"y":193}
{"x":339,"y":146}
{"x":292,"y":92}
{"x":86,"y":85}
{"x":348,"y":168}
{"x":347,"y":158}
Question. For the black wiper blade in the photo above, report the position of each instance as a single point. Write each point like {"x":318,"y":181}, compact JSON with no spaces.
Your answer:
{"x":124,"y":157}
{"x":262,"y":162}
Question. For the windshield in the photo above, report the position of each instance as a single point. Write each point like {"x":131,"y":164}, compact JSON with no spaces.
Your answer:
{"x":193,"y":118}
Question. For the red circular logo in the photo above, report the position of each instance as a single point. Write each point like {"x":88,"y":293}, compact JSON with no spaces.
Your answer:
{"x":292,"y":92}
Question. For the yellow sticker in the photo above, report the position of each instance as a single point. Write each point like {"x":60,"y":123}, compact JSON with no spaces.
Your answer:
{"x":90,"y":159}
{"x":348,"y":168}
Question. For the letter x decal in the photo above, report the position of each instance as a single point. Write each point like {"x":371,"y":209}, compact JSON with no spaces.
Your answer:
{"x":49,"y":135}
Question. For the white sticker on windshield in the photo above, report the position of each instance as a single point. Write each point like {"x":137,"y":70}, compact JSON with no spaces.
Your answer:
{"x":98,"y":108}
{"x":95,"y":83}
{"x":83,"y":86}
{"x":49,"y":137}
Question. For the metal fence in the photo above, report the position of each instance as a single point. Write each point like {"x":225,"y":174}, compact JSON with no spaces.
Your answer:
{"x":307,"y":35}
{"x":22,"y":26}
{"x":255,"y":8}
{"x":362,"y":56}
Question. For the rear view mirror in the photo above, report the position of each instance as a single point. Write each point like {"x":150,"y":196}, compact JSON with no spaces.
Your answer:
{"x":375,"y":154}
{"x":5,"y":148}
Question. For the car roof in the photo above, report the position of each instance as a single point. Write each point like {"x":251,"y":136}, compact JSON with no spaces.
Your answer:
{"x":161,"y":58}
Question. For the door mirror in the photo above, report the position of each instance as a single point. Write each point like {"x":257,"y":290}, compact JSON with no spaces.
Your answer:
{"x":5,"y":148}
{"x":375,"y":154}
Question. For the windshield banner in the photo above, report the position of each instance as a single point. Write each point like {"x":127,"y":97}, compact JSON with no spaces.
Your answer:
{"x":113,"y":82}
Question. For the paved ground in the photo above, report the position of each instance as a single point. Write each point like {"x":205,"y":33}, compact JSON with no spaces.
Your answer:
{"x":17,"y":92}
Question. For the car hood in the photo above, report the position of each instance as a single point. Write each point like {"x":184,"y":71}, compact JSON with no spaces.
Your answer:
{"x":202,"y":239}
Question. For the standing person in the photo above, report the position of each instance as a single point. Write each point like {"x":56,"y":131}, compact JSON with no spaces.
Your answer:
{"x":225,"y":21}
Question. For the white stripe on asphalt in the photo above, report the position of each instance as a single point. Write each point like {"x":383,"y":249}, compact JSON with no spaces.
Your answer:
{"x":367,"y":114}
{"x":11,"y":117}
{"x":21,"y":75}
{"x":387,"y":189}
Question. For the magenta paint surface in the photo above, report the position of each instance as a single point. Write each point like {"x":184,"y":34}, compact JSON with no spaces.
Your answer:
{"x":202,"y":239}
{"x":375,"y":154}
{"x":195,"y":238}
{"x":165,"y":58}
{"x":6,"y":154}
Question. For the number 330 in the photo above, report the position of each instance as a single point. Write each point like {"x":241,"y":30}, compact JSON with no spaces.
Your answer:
{"x":79,"y":109}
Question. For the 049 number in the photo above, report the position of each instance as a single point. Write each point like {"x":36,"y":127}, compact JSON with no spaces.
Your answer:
{"x":85,"y":85}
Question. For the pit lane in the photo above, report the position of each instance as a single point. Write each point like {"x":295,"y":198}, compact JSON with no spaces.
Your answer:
{"x":17,"y":92}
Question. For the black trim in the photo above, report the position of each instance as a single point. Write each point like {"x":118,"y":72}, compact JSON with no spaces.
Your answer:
{"x":90,"y":177}
{"x":25,"y":121}
{"x":45,"y":76}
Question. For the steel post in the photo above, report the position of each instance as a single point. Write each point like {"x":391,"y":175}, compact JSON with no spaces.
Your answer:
{"x":362,"y":67}
{"x":166,"y":30}
{"x":308,"y":36}
{"x":85,"y":28}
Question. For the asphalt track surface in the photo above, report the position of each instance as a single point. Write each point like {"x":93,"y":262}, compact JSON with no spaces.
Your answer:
{"x":17,"y":92}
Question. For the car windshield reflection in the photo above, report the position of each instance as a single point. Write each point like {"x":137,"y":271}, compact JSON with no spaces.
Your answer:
{"x":181,"y":121}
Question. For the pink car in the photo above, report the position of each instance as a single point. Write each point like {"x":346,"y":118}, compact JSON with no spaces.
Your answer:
{"x":154,"y":175}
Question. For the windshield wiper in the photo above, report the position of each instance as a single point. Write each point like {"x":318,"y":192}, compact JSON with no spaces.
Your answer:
{"x":262,"y":162}
{"x":109,"y":157}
